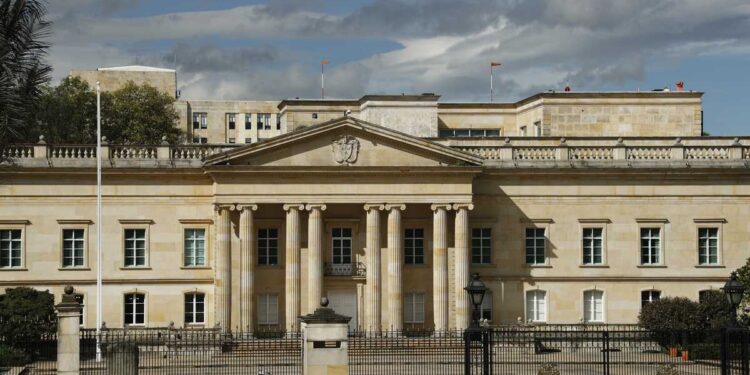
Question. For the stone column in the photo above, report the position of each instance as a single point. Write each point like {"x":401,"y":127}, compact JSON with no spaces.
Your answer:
{"x":395,"y":262}
{"x":68,"y":334}
{"x":223,"y":273}
{"x":314,"y":255}
{"x":292,"y":274}
{"x":247,"y":264}
{"x":463,"y":261}
{"x":372,"y":293}
{"x":440,"y":265}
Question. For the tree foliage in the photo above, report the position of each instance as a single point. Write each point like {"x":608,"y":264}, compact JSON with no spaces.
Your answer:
{"x":135,"y":114}
{"x":26,"y":315}
{"x":23,"y":71}
{"x":670,"y":313}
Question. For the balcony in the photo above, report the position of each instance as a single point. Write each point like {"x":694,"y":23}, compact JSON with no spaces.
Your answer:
{"x":353,"y":269}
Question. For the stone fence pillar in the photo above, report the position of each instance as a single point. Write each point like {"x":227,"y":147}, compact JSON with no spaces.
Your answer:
{"x":68,"y":334}
{"x":325,"y":349}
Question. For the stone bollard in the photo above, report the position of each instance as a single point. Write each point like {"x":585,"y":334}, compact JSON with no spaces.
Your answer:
{"x":122,"y":359}
{"x":68,"y":334}
{"x":325,"y":349}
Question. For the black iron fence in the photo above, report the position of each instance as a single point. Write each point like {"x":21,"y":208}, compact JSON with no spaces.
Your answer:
{"x":36,"y":354}
{"x":410,"y":352}
{"x":187,"y":351}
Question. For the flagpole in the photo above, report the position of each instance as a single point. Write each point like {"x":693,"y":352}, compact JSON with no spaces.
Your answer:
{"x":322,"y":82}
{"x":98,"y":222}
{"x":492,"y":89}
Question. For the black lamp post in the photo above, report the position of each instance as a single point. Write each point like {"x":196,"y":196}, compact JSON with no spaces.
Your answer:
{"x":476,"y":290}
{"x":734,"y":291}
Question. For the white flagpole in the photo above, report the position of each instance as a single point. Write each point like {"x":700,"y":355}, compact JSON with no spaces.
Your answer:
{"x":322,"y":82}
{"x":98,"y":222}
{"x":492,"y":89}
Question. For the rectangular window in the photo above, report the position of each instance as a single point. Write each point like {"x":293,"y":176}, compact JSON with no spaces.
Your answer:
{"x":204,"y":140}
{"x":593,"y":306}
{"x":481,"y":246}
{"x":79,"y":300}
{"x":195,"y":308}
{"x":592,"y":246}
{"x":268,"y":246}
{"x":708,"y":246}
{"x":135,"y":309}
{"x":231,"y":140}
{"x":248,"y":140}
{"x":414,"y":308}
{"x":10,"y":248}
{"x":278,"y":122}
{"x":650,"y":246}
{"x":135,"y":247}
{"x":248,"y":121}
{"x":485,"y":309}
{"x":268,"y":309}
{"x":73,"y":247}
{"x":200,"y":120}
{"x":522,"y":131}
{"x":231,"y":120}
{"x":538,"y":129}
{"x":195,"y":247}
{"x":536,"y":244}
{"x":414,"y":246}
{"x":342,"y":245}
{"x":648,"y":296}
{"x":536,"y":306}
{"x":264,"y":121}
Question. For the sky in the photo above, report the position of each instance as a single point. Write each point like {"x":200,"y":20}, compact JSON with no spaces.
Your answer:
{"x":232,"y":49}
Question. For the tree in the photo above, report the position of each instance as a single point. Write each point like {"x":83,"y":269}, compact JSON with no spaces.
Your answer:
{"x":26,"y":314}
{"x":743,"y":275}
{"x":23,"y":71}
{"x":670,"y":313}
{"x":135,"y":114}
{"x":714,"y":310}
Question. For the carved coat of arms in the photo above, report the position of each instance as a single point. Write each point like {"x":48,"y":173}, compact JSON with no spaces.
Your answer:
{"x":345,"y":149}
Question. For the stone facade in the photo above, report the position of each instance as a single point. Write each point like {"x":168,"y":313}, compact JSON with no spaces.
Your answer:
{"x":387,"y":225}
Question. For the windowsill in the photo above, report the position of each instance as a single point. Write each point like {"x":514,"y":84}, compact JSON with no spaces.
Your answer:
{"x":195,"y":325}
{"x":135,"y":325}
{"x":14,"y":269}
{"x":417,"y":265}
{"x":652,"y":266}
{"x":74,"y":269}
{"x":269,"y":266}
{"x":482,"y":265}
{"x":594,"y":323}
{"x":142,"y":268}
{"x":593,"y":266}
{"x":195,"y":268}
{"x":538,"y":265}
{"x":710,"y":266}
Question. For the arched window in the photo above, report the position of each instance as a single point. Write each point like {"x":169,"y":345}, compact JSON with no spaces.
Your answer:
{"x":648,"y":296}
{"x":135,"y":309}
{"x":536,"y":306}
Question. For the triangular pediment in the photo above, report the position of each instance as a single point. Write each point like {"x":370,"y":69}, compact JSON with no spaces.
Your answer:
{"x":345,"y":142}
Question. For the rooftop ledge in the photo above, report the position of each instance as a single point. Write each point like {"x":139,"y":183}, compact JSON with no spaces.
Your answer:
{"x":546,"y":152}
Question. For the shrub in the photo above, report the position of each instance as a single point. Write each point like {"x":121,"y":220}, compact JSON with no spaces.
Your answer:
{"x":26,"y":315}
{"x":714,"y":310}
{"x":670,"y":313}
{"x":704,"y":351}
{"x":10,"y":356}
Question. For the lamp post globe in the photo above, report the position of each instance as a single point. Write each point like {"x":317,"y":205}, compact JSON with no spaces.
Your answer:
{"x":476,"y":290}
{"x":734,"y":291}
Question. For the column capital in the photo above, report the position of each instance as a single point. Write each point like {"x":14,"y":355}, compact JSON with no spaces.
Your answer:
{"x":376,"y":206}
{"x":247,"y":206}
{"x":468,"y":206}
{"x":445,"y":206}
{"x":398,"y":206}
{"x":224,"y":206}
{"x":297,"y":206}
{"x":311,"y":206}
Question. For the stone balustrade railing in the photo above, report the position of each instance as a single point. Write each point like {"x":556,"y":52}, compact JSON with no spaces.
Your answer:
{"x":111,"y":152}
{"x":592,"y":149}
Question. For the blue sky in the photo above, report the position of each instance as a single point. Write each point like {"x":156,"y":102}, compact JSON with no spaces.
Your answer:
{"x":232,"y":49}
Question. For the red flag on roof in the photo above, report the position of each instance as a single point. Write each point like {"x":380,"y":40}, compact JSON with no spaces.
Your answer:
{"x":324,"y":62}
{"x":495,"y":63}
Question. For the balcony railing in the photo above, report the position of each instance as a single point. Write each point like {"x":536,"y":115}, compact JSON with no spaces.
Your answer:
{"x":347,"y":269}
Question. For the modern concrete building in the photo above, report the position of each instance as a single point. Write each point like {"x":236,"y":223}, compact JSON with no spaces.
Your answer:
{"x":571,"y":206}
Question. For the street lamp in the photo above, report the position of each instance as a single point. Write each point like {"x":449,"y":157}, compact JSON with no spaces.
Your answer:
{"x":734,"y":291}
{"x":476,"y":290}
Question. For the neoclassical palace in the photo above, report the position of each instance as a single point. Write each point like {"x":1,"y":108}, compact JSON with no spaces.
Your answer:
{"x":573,"y":207}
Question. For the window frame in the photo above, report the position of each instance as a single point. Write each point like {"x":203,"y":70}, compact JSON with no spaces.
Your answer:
{"x":127,"y":224}
{"x":546,"y":306}
{"x":545,"y":230}
{"x":84,"y":240}
{"x":231,"y":119}
{"x":258,"y":247}
{"x":351,"y":244}
{"x":185,"y":230}
{"x":16,"y":225}
{"x":484,"y":309}
{"x":412,"y":320}
{"x":261,"y":297}
{"x":145,"y":308}
{"x":482,"y":260}
{"x":248,"y":121}
{"x":603,"y":304}
{"x":660,"y":224}
{"x":202,"y":120}
{"x":651,"y":300}
{"x":593,"y":224}
{"x":194,"y":312}
{"x":423,"y":255}
{"x":717,"y":224}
